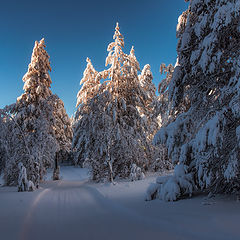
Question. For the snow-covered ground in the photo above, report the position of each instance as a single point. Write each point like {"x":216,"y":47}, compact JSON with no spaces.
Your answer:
{"x":76,"y":208}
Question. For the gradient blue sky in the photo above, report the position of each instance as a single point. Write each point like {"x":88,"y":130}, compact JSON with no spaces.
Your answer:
{"x":74,"y":30}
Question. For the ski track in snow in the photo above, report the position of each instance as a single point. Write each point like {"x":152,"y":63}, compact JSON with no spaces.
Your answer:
{"x":75,"y":208}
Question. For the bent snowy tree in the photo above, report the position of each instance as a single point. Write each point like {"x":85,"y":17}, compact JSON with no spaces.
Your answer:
{"x":203,"y":139}
{"x":38,"y":122}
{"x":112,"y":123}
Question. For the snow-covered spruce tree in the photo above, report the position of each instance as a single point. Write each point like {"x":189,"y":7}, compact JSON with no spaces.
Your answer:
{"x":154,"y":109}
{"x":161,"y":117}
{"x":41,"y":118}
{"x":83,"y":116}
{"x":90,"y":84}
{"x":204,"y":139}
{"x":162,"y":108}
{"x":149,"y":97}
{"x":110,"y":132}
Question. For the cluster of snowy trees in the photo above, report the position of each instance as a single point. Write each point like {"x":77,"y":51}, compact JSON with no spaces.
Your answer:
{"x":115,"y":122}
{"x":194,"y":122}
{"x":36,"y":129}
{"x":111,"y":133}
{"x":202,"y":135}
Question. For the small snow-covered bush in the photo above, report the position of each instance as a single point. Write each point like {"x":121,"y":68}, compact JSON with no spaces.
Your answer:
{"x":170,"y":188}
{"x":22,"y":178}
{"x":136,"y":173}
{"x":23,"y":183}
{"x":36,"y":174}
{"x":56,"y":173}
{"x":31,"y":186}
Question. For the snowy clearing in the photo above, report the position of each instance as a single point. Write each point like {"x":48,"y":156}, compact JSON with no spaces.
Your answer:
{"x":76,"y":208}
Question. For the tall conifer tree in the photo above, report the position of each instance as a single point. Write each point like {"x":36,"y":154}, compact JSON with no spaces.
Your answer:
{"x":203,"y":137}
{"x":38,"y":120}
{"x":114,"y":130}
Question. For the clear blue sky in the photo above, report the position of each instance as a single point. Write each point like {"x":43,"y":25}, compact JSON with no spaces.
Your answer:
{"x":76,"y":29}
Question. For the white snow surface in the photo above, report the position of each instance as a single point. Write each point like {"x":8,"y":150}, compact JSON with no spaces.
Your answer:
{"x":76,"y":208}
